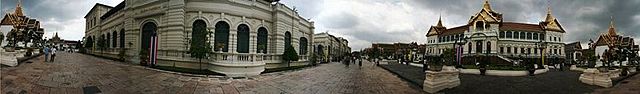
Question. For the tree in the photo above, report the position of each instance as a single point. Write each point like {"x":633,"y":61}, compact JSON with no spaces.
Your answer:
{"x":289,"y":55}
{"x":1,"y":37}
{"x":200,"y":48}
{"x":102,"y":43}
{"x":449,"y":57}
{"x":590,"y":58}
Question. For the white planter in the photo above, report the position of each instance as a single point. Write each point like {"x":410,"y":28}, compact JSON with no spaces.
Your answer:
{"x":592,"y":76}
{"x":436,"y":81}
{"x":9,"y":58}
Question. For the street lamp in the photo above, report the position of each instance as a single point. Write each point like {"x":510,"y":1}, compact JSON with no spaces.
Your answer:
{"x":457,"y":50}
{"x":541,"y":45}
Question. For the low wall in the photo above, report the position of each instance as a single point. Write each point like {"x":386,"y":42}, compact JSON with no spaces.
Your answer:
{"x":502,"y":72}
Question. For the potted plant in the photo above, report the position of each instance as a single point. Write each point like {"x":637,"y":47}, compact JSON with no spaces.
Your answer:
{"x":144,"y":57}
{"x":122,"y":54}
{"x":624,"y":71}
{"x":530,"y":68}
{"x":29,"y":52}
{"x":436,"y":64}
{"x":289,"y":55}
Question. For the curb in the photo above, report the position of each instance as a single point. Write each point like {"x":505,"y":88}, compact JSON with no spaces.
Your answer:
{"x":120,"y":63}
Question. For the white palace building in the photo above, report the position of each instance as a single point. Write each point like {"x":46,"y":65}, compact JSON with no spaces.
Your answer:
{"x":247,"y":36}
{"x":488,"y":38}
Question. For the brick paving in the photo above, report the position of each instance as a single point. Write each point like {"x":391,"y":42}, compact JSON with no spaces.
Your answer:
{"x":74,"y":73}
{"x":630,"y":85}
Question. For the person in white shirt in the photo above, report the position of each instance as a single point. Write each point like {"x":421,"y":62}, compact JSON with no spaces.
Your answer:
{"x":53,"y":53}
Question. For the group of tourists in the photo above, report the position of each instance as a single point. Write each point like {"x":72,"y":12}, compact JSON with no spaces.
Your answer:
{"x":49,"y":51}
{"x":348,"y":60}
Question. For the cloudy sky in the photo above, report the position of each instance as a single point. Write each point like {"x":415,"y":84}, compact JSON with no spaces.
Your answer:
{"x":363,"y":22}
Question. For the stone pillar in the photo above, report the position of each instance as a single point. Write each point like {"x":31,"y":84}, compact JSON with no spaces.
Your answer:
{"x":436,"y":81}
{"x":253,"y":40}
{"x":233,"y":32}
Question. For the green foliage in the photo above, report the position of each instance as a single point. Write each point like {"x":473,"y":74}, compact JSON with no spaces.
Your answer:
{"x":290,"y":54}
{"x":448,"y":56}
{"x":590,"y":57}
{"x":375,"y":53}
{"x":102,"y":43}
{"x":122,"y":54}
{"x":199,"y":47}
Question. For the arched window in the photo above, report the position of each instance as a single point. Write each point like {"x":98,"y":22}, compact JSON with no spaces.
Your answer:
{"x":148,"y":29}
{"x":89,"y":42}
{"x":108,"y":41}
{"x":470,"y":48}
{"x":262,"y":40}
{"x":303,"y":46}
{"x":122,"y":38}
{"x":287,"y":39}
{"x":114,"y":41}
{"x":243,"y":39}
{"x":320,"y":50}
{"x":479,"y":26}
{"x":488,"y":50}
{"x":479,"y":47}
{"x":198,"y":34}
{"x":222,"y":37}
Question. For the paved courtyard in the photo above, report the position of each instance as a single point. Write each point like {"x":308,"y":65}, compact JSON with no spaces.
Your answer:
{"x":74,"y":73}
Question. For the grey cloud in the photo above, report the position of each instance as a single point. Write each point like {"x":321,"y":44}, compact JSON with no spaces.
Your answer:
{"x":343,"y":20}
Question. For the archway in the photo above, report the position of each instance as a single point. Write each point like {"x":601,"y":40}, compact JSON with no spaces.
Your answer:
{"x":148,"y":42}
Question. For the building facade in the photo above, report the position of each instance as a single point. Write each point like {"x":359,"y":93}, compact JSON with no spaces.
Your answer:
{"x":329,"y":47}
{"x":246,"y":36}
{"x":487,"y":35}
{"x":404,"y":51}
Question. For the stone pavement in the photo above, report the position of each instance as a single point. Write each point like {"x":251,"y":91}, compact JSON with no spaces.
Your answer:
{"x":552,"y":82}
{"x":74,"y":73}
{"x":630,"y":85}
{"x":411,"y":73}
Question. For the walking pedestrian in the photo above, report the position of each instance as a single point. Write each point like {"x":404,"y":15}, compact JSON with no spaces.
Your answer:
{"x":360,"y":63}
{"x":53,"y":54}
{"x":46,"y":51}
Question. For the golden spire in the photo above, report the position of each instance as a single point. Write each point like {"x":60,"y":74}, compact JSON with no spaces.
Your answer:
{"x":612,"y":29}
{"x":486,"y":5}
{"x":550,"y":17}
{"x":440,"y":22}
{"x":19,"y":9}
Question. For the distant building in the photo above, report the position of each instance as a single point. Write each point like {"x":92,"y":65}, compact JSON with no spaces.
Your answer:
{"x":408,"y":51}
{"x":573,"y":52}
{"x":612,"y":41}
{"x":330,"y":47}
{"x":496,"y":41}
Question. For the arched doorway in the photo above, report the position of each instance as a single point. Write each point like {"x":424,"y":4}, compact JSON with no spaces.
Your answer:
{"x":148,"y":44}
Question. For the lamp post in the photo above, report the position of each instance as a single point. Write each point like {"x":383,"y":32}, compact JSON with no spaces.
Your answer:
{"x":541,"y":45}
{"x":458,"y":51}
